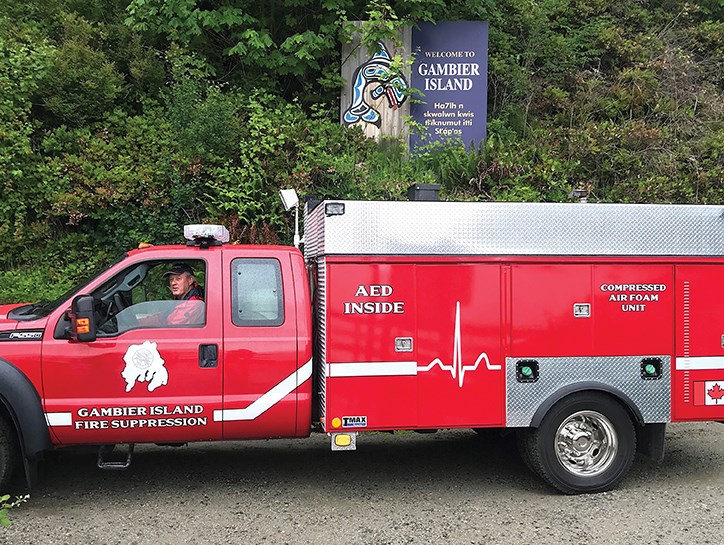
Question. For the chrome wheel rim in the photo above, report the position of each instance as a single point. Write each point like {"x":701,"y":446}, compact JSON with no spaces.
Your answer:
{"x":586,"y":443}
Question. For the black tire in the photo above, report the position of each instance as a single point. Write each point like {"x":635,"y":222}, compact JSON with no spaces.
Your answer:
{"x":8,"y":454}
{"x":586,"y":443}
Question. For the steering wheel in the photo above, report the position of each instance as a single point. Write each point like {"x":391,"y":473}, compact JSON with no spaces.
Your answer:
{"x":118,"y":301}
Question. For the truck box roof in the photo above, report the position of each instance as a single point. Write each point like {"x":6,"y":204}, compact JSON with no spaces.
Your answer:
{"x":475,"y":228}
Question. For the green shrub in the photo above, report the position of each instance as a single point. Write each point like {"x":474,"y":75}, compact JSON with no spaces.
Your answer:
{"x":6,"y":505}
{"x":82,"y":84}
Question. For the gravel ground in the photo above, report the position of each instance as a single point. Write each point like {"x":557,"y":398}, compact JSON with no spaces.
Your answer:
{"x":449,"y":487}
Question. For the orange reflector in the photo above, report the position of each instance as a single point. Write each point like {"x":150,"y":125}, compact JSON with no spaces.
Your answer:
{"x":82,"y":325}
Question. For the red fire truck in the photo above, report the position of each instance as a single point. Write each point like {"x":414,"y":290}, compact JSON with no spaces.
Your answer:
{"x":586,"y":327}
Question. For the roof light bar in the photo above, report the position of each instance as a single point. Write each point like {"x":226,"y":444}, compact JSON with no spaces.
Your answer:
{"x":208,"y":234}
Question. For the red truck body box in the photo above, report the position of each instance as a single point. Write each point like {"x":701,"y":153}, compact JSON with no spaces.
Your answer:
{"x":427,"y":312}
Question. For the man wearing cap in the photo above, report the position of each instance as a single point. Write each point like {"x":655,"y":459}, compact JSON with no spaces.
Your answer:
{"x":191,"y":308}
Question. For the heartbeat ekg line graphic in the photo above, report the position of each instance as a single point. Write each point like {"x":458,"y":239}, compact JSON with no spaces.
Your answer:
{"x":457,"y":369}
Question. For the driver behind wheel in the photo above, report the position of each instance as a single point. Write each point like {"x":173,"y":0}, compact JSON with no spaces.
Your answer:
{"x":184,"y":288}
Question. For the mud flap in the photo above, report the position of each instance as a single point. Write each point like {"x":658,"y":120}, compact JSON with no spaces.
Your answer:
{"x":651,"y":441}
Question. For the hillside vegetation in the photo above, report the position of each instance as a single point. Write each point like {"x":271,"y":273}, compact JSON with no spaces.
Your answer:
{"x":121,"y":120}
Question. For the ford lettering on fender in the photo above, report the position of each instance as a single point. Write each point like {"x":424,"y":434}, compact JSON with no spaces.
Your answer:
{"x":581,"y":326}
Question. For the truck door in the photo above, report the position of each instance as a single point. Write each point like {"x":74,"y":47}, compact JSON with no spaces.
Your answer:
{"x":148,"y":377}
{"x":260,"y":350}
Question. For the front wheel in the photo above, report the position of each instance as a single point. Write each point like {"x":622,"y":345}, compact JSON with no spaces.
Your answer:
{"x":8,"y":453}
{"x":585,"y":443}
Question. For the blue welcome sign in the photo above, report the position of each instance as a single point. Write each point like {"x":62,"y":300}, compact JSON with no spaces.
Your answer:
{"x":451,"y":72}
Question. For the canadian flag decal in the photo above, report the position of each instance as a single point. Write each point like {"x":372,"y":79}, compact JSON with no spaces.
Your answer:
{"x":710,"y":392}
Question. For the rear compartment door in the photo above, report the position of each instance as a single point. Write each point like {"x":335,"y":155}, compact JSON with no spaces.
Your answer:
{"x":370,"y":342}
{"x":460,"y":371}
{"x":698,"y":392}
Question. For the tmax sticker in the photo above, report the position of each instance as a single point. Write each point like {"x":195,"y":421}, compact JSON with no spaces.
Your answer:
{"x":144,"y":364}
{"x":354,"y":421}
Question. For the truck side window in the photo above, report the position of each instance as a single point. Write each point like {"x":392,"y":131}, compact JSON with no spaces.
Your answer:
{"x":142,"y":297}
{"x":256,"y":292}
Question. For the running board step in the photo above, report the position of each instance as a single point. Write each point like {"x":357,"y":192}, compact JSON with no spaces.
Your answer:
{"x":118,"y":464}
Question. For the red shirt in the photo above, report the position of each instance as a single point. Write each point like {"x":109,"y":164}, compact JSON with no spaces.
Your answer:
{"x":191,"y":310}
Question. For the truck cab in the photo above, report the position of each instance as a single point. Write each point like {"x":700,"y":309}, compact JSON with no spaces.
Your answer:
{"x":120,"y":361}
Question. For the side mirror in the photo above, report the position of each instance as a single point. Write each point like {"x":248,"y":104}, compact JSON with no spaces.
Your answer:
{"x":82,"y":319}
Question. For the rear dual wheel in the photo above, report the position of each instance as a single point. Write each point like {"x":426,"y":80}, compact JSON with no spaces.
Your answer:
{"x":585,"y":443}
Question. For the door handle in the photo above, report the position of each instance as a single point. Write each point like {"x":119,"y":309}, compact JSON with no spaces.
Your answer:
{"x":208,"y":355}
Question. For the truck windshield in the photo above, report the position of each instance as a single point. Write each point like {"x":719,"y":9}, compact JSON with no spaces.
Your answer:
{"x":35,"y":311}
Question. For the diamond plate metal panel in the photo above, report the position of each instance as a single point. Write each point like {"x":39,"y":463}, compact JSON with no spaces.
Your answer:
{"x":462,"y":228}
{"x":652,"y":397}
{"x":322,"y":335}
{"x":313,"y":232}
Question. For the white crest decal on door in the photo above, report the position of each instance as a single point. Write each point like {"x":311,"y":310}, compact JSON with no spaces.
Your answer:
{"x":144,"y":364}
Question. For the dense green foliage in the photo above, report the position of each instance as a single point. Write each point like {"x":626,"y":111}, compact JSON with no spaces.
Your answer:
{"x":121,"y":120}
